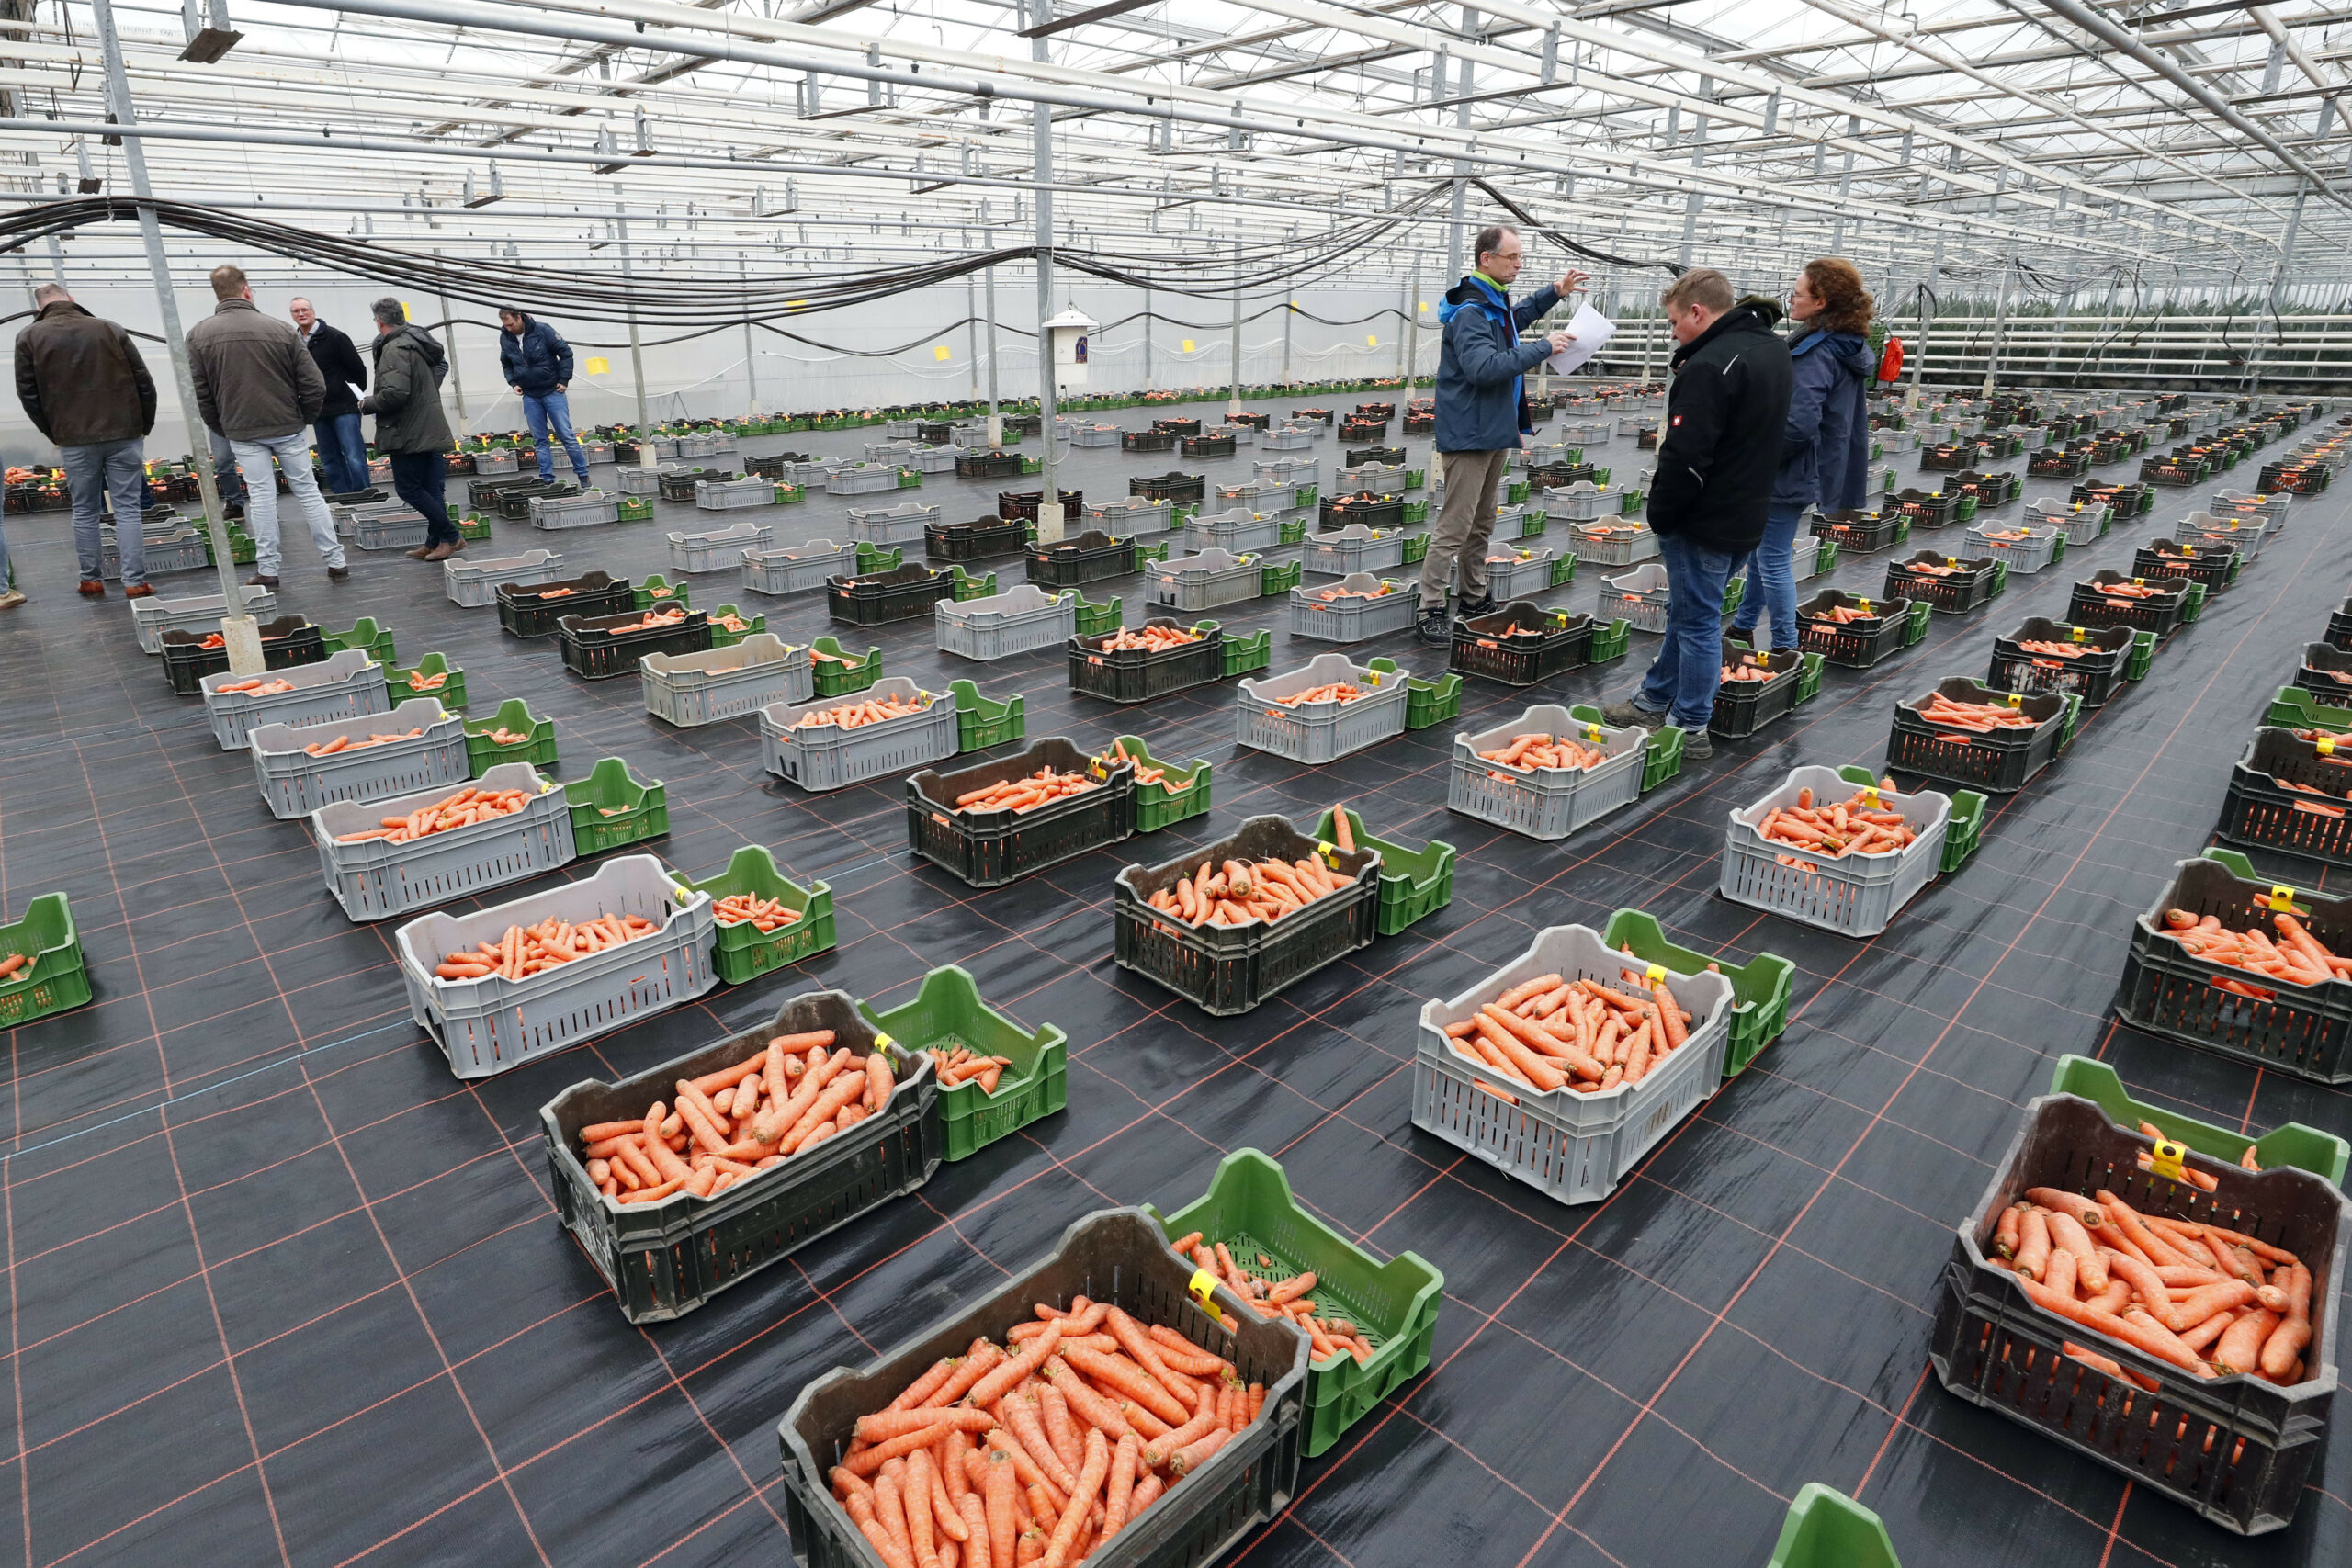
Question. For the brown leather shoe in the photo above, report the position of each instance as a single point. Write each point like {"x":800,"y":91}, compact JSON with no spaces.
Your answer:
{"x":442,"y":552}
{"x":419,"y":553}
{"x":90,"y":589}
{"x":139,"y":590}
{"x":337,"y":573}
{"x":258,"y":580}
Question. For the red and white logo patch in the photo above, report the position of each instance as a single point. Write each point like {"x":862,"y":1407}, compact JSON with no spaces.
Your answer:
{"x":1676,"y":420}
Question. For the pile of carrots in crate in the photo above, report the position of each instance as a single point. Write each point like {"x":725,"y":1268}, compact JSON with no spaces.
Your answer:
{"x":1927,"y":568}
{"x":1234,"y":894}
{"x":1606,"y":530}
{"x":1145,"y":774}
{"x":2249,"y":1160}
{"x":2011,"y":535}
{"x":728,"y":1126}
{"x":418,"y":681}
{"x":2213,"y":1302}
{"x":13,"y":961}
{"x":653,"y":620}
{"x":1983,"y":718}
{"x":1526,"y":752}
{"x":523,"y":951}
{"x":874,"y":710}
{"x":2052,"y":649}
{"x":463,"y":809}
{"x":2130,"y":589}
{"x":555,"y":593}
{"x":1858,"y":824}
{"x":1039,"y":1450}
{"x":819,"y":656}
{"x":1846,"y":614}
{"x":346,"y":743}
{"x":763,"y":915}
{"x":1329,"y":692}
{"x":1745,"y":672}
{"x":1551,"y":1033}
{"x":256,"y":687}
{"x":2297,"y":957}
{"x":962,"y":1063}
{"x":212,"y":639}
{"x":733,"y":624}
{"x":503,"y":736}
{"x":1333,"y":1337}
{"x":1148,"y":639}
{"x":1026,"y":793}
{"x":1328,"y":594}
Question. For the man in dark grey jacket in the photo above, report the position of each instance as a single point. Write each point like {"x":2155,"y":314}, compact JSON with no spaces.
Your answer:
{"x":256,"y":385}
{"x":82,"y":381}
{"x":411,"y":429}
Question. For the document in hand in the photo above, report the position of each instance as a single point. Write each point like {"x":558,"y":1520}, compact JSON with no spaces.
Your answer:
{"x":1591,"y":330}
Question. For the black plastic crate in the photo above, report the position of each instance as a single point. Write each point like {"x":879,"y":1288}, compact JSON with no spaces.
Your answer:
{"x":1858,"y":533}
{"x":529,"y":611}
{"x":482,"y":494}
{"x":1387,"y":456}
{"x":1147,"y":441}
{"x":1560,"y":476}
{"x":1024,"y":424}
{"x":1230,"y":969}
{"x":1319,"y":416}
{"x":1131,"y":675}
{"x":2295,"y":478}
{"x":678,"y":485}
{"x":775,"y":467}
{"x":2339,"y":626}
{"x":1119,"y":1257}
{"x":989,"y":848}
{"x":2180,"y":472}
{"x":2111,"y":657}
{"x":1090,"y":557}
{"x":1499,"y":647}
{"x":1925,"y":508}
{"x":976,"y":540}
{"x":1990,"y":490}
{"x":515,"y":505}
{"x":992,"y":465}
{"x":1021,"y":505}
{"x":2326,"y":673}
{"x":663,"y":1259}
{"x":1375,"y":410}
{"x":2215,"y":566}
{"x":2001,"y":762}
{"x":1372,"y":510}
{"x":1353,"y":429}
{"x":2262,"y":810}
{"x":594,"y":648}
{"x":2129,"y":500}
{"x":902,"y":593}
{"x":1853,"y":645}
{"x":1179,"y":428}
{"x":1743,"y":707}
{"x":1254,"y":421}
{"x":287,"y":642}
{"x":1205,"y":445}
{"x":2237,"y":1450}
{"x":1963,"y":586}
{"x":2087,"y":607}
{"x":1171,"y":486}
{"x":1951,"y":457}
{"x":936,"y":431}
{"x":1419,"y":425}
{"x":2058,"y":462}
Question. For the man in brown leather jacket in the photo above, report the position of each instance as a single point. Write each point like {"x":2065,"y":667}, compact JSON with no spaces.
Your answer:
{"x":83,"y":383}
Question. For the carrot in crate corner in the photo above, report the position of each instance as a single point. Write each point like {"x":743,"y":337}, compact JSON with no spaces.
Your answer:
{"x":342,"y":744}
{"x":1549,"y":1033}
{"x":11,"y":963}
{"x":1859,"y":824}
{"x":961,"y":1064}
{"x":255,"y":687}
{"x":728,"y":1125}
{"x":1333,"y":1337}
{"x":849,"y":716}
{"x":1026,"y":793}
{"x":1144,"y":775}
{"x":1148,"y":639}
{"x":817,"y":656}
{"x":761,"y":914}
{"x":1559,"y":751}
{"x":1038,"y":1450}
{"x":462,"y":809}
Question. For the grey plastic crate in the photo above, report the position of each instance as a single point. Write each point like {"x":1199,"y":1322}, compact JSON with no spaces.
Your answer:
{"x":887,"y":525}
{"x":1804,"y":560}
{"x":1582,"y":502}
{"x":1127,"y":518}
{"x":2271,"y":504}
{"x":1521,"y":573}
{"x":1586,"y":432}
{"x":1616,"y":548}
{"x":1020,"y":620}
{"x":1855,"y":895}
{"x":732,"y":496}
{"x":1638,"y":596}
{"x":1257,"y":495}
{"x":712,"y":443}
{"x":1374,"y":478}
{"x":1090,"y":435}
{"x":2026,"y":556}
{"x":589,"y":509}
{"x":2080,"y":521}
{"x":1290,"y":438}
{"x":933,"y":460}
{"x":1236,"y":532}
{"x":813,"y":472}
{"x":902,"y":429}
{"x":373,"y":879}
{"x":719,"y":549}
{"x":1569,"y":1146}
{"x":505,"y":460}
{"x":1241,"y":434}
{"x":799,"y":570}
{"x":474,"y":584}
{"x":180,"y":550}
{"x":597,"y":451}
{"x":1286,"y":472}
{"x":346,"y":685}
{"x":690,"y":689}
{"x":862,"y":479}
{"x":1541,"y":454}
{"x":1354,"y":549}
{"x":387,"y":527}
{"x":1315,"y":733}
{"x":151,"y":617}
{"x":492,"y":1024}
{"x":1202,"y":581}
{"x":2205,"y":528}
{"x":826,"y":757}
{"x":1352,"y":619}
{"x":892,"y":452}
{"x":659,"y":447}
{"x":637,"y":479}
{"x":295,"y":782}
{"x":1545,"y":803}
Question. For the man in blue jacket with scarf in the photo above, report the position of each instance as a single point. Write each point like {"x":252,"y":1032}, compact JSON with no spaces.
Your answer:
{"x":1480,"y":416}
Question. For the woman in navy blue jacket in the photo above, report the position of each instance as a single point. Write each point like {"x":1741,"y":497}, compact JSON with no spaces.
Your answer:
{"x":1826,"y":448}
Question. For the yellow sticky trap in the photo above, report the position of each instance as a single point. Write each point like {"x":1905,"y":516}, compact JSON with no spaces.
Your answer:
{"x":2167,"y":1160}
{"x":1202,"y":1285}
{"x":1951,"y":561}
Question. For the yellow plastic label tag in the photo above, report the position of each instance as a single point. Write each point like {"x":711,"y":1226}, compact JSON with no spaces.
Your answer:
{"x":2326,"y":746}
{"x":2139,"y":582}
{"x":2017,"y":699}
{"x":2166,"y":1159}
{"x":1330,"y":853}
{"x":1863,"y":604}
{"x":2233,"y":522}
{"x":2081,"y":635}
{"x":1870,"y":797}
{"x":1202,"y":1285}
{"x":882,"y":1041}
{"x":1951,"y":561}
{"x":1654,"y":973}
{"x":1592,"y":732}
{"x":2283,"y":898}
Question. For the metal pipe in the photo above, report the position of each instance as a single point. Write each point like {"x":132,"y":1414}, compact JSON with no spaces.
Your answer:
{"x":1050,"y":501}
{"x":457,"y":371}
{"x":1233,"y":403}
{"x":645,"y":458}
{"x":1147,"y":337}
{"x":751,"y":351}
{"x":996,"y":419}
{"x":2000,"y":323}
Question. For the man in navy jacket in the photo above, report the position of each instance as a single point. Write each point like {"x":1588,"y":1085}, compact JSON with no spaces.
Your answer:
{"x":537,"y":364}
{"x":1480,"y":416}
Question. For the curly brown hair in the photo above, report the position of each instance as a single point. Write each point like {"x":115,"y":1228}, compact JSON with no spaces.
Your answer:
{"x":1845,"y":305}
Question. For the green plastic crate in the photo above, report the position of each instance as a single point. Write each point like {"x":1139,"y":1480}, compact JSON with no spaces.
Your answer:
{"x":947,"y":1012}
{"x":513,"y":716}
{"x":912,"y":478}
{"x":365,"y":635}
{"x":58,"y":979}
{"x":1915,"y":630}
{"x":831,"y":680}
{"x":676,"y":593}
{"x":1293,"y":532}
{"x":2192,"y":603}
{"x":1249,"y":1207}
{"x":721,"y":638}
{"x":2293,"y":708}
{"x":1829,"y":1530}
{"x":1432,"y":702}
{"x":1760,"y":988}
{"x":634,"y":509}
{"x":1533,"y":523}
{"x":242,"y":548}
{"x":1244,"y":654}
{"x":1273,"y":580}
{"x":1611,"y":642}
{"x":970,"y":587}
{"x":1413,"y":883}
{"x":1808,"y":677}
{"x":1515,"y":491}
{"x":872,"y":558}
{"x":742,"y":952}
{"x":1735,"y":592}
{"x":1033,"y":465}
{"x":613,"y":807}
{"x":1144,"y":555}
{"x":1094,"y":619}
{"x":789,"y":494}
{"x":2306,"y":1148}
{"x":449,"y":693}
{"x":980,"y":722}
{"x":1182,"y":792}
{"x":1825,"y":558}
{"x":1963,"y":509}
{"x":1414,"y":512}
{"x":1417,"y":549}
{"x":2000,"y":575}
{"x":473,"y":528}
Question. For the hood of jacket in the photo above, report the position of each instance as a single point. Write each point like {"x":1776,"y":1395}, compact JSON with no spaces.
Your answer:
{"x":424,"y":343}
{"x":1851,"y":354}
{"x":1750,"y":315}
{"x":1469,"y":291}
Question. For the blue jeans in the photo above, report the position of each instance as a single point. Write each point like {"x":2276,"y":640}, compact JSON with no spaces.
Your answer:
{"x":417,"y":479}
{"x":343,"y":452}
{"x":1682,"y":681}
{"x":91,"y":472}
{"x":226,"y":477}
{"x":552,"y":410}
{"x":1771,"y":580}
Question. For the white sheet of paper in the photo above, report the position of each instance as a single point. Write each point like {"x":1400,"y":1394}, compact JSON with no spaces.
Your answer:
{"x":1591,"y":330}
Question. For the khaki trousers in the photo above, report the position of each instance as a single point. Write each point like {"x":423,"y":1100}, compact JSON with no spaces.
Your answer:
{"x":1464,"y":524}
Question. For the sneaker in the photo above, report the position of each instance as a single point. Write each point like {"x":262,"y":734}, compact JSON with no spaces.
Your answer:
{"x":1436,"y":627}
{"x":1696,"y":748}
{"x":92,"y":590}
{"x":337,"y":573}
{"x":232,"y":512}
{"x":139,"y":590}
{"x":420,"y":552}
{"x":1625,"y":716}
{"x":11,"y":598}
{"x":258,"y":580}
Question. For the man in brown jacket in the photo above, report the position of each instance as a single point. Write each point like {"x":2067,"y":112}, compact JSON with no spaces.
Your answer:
{"x":256,"y":385}
{"x":83,"y":383}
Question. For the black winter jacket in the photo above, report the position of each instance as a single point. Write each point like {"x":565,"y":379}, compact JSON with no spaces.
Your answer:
{"x":340,"y":365}
{"x":1719,"y":450}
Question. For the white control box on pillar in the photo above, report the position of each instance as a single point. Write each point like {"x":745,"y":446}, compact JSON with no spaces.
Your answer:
{"x":1071,"y":333}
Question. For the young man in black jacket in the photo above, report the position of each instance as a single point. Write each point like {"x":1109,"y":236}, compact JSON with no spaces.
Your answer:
{"x":343,"y":451}
{"x":1717,"y":455}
